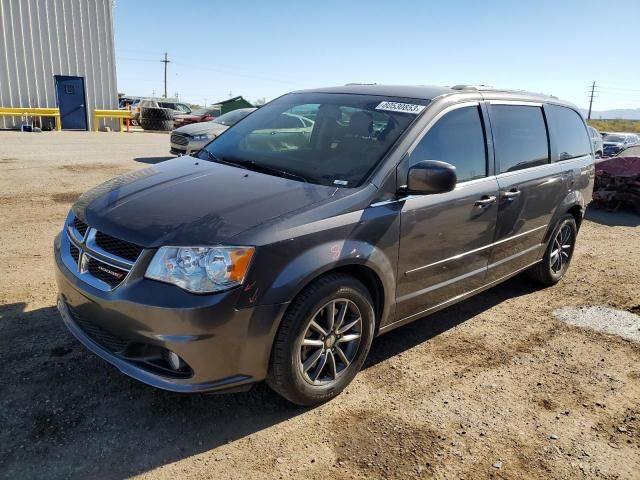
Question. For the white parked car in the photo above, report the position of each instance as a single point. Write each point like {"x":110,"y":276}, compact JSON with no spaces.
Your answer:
{"x":193,"y":137}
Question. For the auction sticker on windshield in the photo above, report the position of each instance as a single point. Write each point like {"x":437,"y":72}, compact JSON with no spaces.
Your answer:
{"x":400,"y":107}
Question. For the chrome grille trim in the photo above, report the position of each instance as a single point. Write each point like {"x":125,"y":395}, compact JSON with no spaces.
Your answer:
{"x":179,"y":139}
{"x":89,"y":250}
{"x":107,"y":257}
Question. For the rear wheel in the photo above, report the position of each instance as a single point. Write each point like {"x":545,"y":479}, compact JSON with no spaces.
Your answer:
{"x":323,"y":340}
{"x":558,"y":254}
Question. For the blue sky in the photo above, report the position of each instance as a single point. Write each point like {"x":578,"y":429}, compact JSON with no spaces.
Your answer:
{"x":267,"y":48}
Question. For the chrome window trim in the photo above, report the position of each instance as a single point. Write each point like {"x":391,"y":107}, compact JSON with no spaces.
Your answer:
{"x":459,"y":186}
{"x":546,"y":166}
{"x":521,"y":103}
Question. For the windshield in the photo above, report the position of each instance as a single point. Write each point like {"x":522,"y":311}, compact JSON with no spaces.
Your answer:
{"x":614,"y":138}
{"x":630,"y":152}
{"x":233,"y":117}
{"x":199,"y":111}
{"x":325,"y":138}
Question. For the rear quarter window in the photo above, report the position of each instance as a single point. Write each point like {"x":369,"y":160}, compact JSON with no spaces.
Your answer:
{"x":568,"y":131}
{"x":520,"y":137}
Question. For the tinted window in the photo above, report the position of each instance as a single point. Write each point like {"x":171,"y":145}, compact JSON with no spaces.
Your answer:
{"x":568,"y":131}
{"x":519,"y":136}
{"x":457,"y":138}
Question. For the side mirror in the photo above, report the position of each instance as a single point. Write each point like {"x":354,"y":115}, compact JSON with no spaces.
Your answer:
{"x":431,"y":176}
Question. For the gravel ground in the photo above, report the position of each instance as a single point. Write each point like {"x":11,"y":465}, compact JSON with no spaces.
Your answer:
{"x":495,"y":387}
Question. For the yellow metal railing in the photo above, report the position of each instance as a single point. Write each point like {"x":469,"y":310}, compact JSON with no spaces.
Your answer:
{"x":32,"y":112}
{"x":122,"y":115}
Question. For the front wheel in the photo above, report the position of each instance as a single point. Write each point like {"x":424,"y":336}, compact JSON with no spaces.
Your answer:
{"x":323,"y":340}
{"x":558,"y":254}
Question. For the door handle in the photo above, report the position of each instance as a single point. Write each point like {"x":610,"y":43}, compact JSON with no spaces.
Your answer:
{"x":485,"y":201}
{"x":513,"y":193}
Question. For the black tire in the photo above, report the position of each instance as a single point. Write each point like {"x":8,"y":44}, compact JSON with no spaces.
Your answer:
{"x":151,"y":113}
{"x":154,"y":124}
{"x":287,"y":375}
{"x":548,"y":272}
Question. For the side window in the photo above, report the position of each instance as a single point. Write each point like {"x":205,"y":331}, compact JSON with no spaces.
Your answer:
{"x":519,"y":137}
{"x":568,"y":132}
{"x":457,"y":138}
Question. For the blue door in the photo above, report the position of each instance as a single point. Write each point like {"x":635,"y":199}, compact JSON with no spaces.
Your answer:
{"x":71,"y":102}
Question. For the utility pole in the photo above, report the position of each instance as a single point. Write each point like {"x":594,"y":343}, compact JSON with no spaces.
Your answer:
{"x":593,"y":88}
{"x":165,"y":61}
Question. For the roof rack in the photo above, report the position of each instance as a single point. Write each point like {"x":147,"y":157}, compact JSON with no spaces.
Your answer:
{"x":471,"y":87}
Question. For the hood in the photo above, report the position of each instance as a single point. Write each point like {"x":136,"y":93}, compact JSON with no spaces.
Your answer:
{"x":188,"y":201}
{"x":211,"y":128}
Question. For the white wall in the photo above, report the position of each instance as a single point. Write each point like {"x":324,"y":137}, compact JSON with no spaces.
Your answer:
{"x":43,"y":38}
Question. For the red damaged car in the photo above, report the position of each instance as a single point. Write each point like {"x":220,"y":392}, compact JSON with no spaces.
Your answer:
{"x":196,"y":116}
{"x":617,"y":181}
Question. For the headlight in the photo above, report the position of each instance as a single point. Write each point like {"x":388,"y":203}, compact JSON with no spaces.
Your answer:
{"x":201,"y":269}
{"x":201,"y":138}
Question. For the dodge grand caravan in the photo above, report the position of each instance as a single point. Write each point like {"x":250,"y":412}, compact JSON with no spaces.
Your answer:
{"x":278,"y":254}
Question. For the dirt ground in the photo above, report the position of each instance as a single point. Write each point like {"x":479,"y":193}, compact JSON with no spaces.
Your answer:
{"x":495,"y":387}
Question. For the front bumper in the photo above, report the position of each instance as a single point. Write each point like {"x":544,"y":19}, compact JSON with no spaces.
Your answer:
{"x":192,"y":146}
{"x":133,"y":325}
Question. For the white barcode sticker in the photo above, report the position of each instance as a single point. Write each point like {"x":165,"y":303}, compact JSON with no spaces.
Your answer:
{"x":400,"y":107}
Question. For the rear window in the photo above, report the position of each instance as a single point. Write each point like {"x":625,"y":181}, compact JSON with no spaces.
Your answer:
{"x":520,"y":137}
{"x":569,"y":133}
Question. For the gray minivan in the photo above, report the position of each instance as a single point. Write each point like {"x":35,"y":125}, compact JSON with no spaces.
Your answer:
{"x":279,"y":255}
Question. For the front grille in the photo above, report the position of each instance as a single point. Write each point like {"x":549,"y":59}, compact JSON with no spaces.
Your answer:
{"x":179,"y":139}
{"x":75,"y":252}
{"x":80,"y":226}
{"x":118,"y":247}
{"x":111,"y":342}
{"x":109,"y":274}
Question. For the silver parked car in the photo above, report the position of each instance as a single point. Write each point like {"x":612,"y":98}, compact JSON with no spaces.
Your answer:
{"x":596,"y":140}
{"x":193,"y":137}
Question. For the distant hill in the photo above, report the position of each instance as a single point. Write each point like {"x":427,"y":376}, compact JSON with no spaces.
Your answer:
{"x":615,"y":125}
{"x":623,"y":114}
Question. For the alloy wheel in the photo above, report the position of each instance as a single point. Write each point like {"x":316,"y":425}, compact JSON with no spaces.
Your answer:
{"x":330,"y":342}
{"x":562,"y":249}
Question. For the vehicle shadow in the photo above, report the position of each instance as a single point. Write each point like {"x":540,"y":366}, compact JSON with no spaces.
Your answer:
{"x":66,"y":412}
{"x":153,"y":160}
{"x":620,"y":218}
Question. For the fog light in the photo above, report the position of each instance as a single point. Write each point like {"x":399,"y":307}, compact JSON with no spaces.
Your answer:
{"x":174,"y":361}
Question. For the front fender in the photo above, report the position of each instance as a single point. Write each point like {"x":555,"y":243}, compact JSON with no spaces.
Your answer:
{"x":320,"y":259}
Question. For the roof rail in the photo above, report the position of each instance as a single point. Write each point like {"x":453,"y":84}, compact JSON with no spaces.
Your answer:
{"x":470,"y":87}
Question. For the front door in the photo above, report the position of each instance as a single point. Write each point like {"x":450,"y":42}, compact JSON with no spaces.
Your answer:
{"x":530,"y":186}
{"x":71,"y":102}
{"x":446,"y":238}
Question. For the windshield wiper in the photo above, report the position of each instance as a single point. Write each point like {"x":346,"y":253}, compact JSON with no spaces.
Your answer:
{"x":258,"y":167}
{"x":211,"y":156}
